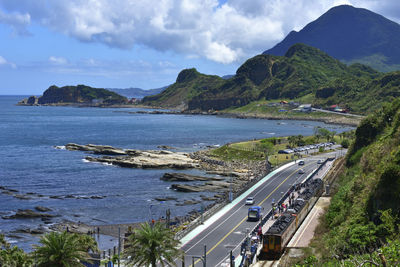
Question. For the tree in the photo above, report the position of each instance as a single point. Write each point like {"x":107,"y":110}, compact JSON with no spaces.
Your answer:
{"x":345,"y":143}
{"x":300,"y":141}
{"x":13,"y":256}
{"x":152,"y":244}
{"x":292,"y":140}
{"x":87,"y":243}
{"x":61,"y":249}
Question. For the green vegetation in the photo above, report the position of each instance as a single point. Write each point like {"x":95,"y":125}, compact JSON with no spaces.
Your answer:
{"x":57,"y":249}
{"x":63,"y":249}
{"x":189,"y":84}
{"x":80,"y":94}
{"x":387,"y":255}
{"x":152,"y":244}
{"x":304,"y":75}
{"x":257,"y":150}
{"x":13,"y":256}
{"x":364,"y":214}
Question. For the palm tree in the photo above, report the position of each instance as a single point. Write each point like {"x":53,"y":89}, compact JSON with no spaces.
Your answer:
{"x":87,"y":243}
{"x":61,"y":249}
{"x":152,"y":244}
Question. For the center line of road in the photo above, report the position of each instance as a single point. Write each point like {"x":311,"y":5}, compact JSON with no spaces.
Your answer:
{"x":234,"y":228}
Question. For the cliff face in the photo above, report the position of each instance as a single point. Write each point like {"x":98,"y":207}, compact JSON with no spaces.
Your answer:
{"x":365,"y":211}
{"x":80,"y":94}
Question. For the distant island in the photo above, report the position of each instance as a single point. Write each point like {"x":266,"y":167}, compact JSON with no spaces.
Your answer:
{"x":137,"y":92}
{"x":76,"y":95}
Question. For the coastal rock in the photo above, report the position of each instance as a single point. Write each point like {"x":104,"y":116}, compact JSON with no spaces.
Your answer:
{"x":24,"y":197}
{"x":204,"y":198}
{"x":165,"y":147}
{"x":188,"y":202}
{"x":150,"y":159}
{"x":30,"y":101}
{"x":186,"y":188}
{"x":28,"y":213}
{"x":80,"y":95}
{"x":225,"y":173}
{"x":208,"y":186}
{"x":96,"y":149}
{"x":42,"y":209}
{"x":183,"y":177}
{"x":97,"y":197}
{"x":38,"y":231}
{"x":132,"y":158}
{"x":165,"y":198}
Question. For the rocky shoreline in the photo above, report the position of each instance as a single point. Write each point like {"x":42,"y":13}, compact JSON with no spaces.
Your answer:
{"x":337,"y":119}
{"x":220,"y":177}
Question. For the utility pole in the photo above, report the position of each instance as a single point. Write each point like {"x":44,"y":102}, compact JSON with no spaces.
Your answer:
{"x":230,"y":191}
{"x":119,"y":246}
{"x":205,"y":256}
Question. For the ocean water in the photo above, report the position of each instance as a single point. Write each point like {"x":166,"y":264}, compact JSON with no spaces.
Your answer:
{"x":29,"y":163}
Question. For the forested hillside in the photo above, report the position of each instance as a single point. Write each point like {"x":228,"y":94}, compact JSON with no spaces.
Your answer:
{"x":303,"y":73}
{"x":364,"y":213}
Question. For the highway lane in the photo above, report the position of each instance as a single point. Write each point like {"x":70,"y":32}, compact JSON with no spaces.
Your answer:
{"x":228,"y":232}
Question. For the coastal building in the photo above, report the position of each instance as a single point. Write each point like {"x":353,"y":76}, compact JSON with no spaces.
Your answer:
{"x":305,"y":108}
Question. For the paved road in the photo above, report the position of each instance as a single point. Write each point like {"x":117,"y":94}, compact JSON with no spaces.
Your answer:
{"x":338,"y":113}
{"x":228,"y":232}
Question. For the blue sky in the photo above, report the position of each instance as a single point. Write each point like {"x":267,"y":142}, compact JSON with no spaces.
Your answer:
{"x":143,"y":43}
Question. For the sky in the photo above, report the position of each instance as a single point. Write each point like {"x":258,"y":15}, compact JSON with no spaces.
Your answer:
{"x":144,"y":43}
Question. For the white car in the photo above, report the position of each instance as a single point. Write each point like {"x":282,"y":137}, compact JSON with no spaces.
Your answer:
{"x":320,"y":161}
{"x":250,"y":201}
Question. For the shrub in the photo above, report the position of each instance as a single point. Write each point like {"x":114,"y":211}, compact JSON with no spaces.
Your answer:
{"x":345,"y":143}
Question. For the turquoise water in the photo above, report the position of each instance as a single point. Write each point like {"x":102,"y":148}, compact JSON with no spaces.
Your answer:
{"x":29,"y":162}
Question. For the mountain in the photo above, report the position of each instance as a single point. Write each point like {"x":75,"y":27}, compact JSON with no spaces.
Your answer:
{"x":189,"y":84}
{"x":303,"y":71}
{"x":80,"y":94}
{"x":351,"y":35}
{"x":137,"y":92}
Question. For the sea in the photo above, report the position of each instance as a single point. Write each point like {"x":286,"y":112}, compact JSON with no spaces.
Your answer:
{"x":92,"y":193}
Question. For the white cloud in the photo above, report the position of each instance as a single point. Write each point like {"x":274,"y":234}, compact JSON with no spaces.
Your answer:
{"x":197,"y":28}
{"x":58,"y":60}
{"x":17,"y":21}
{"x":4,"y":62}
